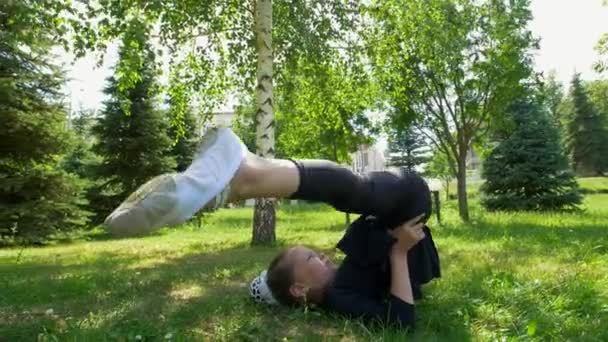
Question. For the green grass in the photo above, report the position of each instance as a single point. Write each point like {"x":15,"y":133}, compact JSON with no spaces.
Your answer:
{"x":506,"y":276}
{"x":594,"y":184}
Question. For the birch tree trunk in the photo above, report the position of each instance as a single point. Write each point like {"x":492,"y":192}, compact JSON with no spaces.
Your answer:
{"x":264,"y":213}
{"x":461,"y":182}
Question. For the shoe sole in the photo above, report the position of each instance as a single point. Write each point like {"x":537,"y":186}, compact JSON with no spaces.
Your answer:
{"x":217,"y":160}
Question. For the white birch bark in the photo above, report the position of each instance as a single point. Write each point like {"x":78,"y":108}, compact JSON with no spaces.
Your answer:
{"x":264,"y":214}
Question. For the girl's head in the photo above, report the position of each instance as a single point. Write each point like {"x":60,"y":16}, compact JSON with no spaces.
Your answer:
{"x":298,"y":275}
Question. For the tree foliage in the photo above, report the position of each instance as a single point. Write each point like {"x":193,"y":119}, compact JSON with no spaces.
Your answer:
{"x":552,"y":92}
{"x":407,"y":148}
{"x":439,"y":167}
{"x":598,"y":95}
{"x":587,"y":136}
{"x":81,"y":160}
{"x":243,"y":123}
{"x":37,"y":197}
{"x":322,"y":111}
{"x":210,"y":45}
{"x":529,"y":170}
{"x":328,"y":120}
{"x":214,"y":46}
{"x":185,"y":143}
{"x":454,"y":65}
{"x":602,"y":48}
{"x":133,"y":143}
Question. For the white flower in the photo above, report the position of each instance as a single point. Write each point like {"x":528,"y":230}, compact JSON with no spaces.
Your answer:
{"x":168,"y":336}
{"x":138,"y":337}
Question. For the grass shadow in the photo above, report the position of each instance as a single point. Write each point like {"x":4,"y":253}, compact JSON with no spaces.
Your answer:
{"x":112,"y":297}
{"x":496,"y":284}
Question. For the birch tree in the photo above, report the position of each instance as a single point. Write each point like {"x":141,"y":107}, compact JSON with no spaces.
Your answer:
{"x":222,"y":46}
{"x":264,"y":214}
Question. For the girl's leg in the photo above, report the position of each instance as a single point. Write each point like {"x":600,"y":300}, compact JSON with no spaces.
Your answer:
{"x":259,"y":177}
{"x":314,"y":180}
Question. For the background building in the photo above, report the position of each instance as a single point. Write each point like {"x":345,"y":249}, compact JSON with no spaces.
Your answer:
{"x":368,"y":158}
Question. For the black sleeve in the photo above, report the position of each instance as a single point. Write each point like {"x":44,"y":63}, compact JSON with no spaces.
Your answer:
{"x":393,"y":312}
{"x":365,"y":243}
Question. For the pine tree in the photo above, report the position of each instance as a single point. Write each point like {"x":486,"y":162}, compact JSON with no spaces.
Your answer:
{"x":552,"y":92}
{"x":81,"y":160}
{"x":132,"y":135}
{"x":186,"y":143}
{"x":598,"y":95}
{"x":529,"y":170}
{"x":37,"y":197}
{"x":406,"y":149}
{"x":587,"y":137}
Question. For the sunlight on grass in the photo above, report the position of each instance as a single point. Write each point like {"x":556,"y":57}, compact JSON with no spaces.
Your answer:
{"x":186,"y":291}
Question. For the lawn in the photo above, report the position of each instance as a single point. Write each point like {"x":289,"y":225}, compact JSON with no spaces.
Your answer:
{"x":523,"y":276}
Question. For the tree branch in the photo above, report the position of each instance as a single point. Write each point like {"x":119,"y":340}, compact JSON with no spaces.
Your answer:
{"x":484,"y":116}
{"x":442,"y":92}
{"x":432,"y":92}
{"x":251,"y":7}
{"x":462,"y":112}
{"x":198,"y":35}
{"x":444,"y":139}
{"x":441,"y":145}
{"x":445,"y":127}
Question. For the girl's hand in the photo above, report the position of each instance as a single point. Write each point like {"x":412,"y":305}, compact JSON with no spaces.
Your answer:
{"x":407,"y":235}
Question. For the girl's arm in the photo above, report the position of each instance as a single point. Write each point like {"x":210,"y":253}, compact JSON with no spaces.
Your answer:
{"x":407,"y":235}
{"x":400,"y":276}
{"x":399,"y":308}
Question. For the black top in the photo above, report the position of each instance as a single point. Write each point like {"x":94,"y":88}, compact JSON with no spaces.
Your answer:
{"x":361,"y":288}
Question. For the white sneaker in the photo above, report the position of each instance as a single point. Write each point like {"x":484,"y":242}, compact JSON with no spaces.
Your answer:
{"x":172,"y":199}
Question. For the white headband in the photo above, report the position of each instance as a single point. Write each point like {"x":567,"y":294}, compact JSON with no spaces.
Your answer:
{"x":259,"y":290}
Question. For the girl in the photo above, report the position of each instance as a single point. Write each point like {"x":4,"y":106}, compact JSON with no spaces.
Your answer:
{"x":389,"y":252}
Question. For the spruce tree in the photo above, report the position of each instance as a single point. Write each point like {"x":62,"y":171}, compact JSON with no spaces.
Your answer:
{"x":37,"y":197}
{"x":598,"y":95}
{"x":81,"y":160}
{"x":186,"y":142}
{"x":529,"y":170}
{"x":132,"y":135}
{"x":587,"y":137}
{"x":406,"y":149}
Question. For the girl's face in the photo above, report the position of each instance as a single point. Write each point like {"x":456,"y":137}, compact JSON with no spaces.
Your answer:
{"x":312,"y":271}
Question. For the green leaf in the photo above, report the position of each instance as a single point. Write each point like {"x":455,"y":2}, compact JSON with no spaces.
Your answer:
{"x":532,"y":328}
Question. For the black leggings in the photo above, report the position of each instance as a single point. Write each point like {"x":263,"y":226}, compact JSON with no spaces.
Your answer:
{"x":394,"y":197}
